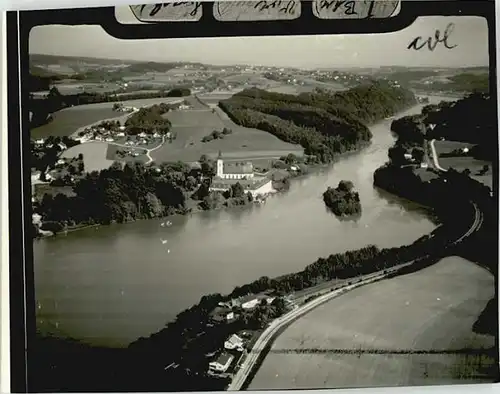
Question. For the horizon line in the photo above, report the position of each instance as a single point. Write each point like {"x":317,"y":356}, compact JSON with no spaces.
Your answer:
{"x":256,"y":65}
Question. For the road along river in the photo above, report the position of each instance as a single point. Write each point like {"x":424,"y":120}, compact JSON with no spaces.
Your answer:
{"x":110,"y":285}
{"x":414,"y":329}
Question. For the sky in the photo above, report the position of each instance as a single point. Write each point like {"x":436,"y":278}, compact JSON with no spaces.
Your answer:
{"x":470,"y":35}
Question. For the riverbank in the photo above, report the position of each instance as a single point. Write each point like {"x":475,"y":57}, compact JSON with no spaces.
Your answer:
{"x":282,"y":187}
{"x":361,"y":348}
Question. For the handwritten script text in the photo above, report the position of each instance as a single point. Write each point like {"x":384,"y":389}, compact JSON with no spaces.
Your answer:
{"x":158,"y":7}
{"x":432,"y":42}
{"x":334,"y":5}
{"x":287,"y":7}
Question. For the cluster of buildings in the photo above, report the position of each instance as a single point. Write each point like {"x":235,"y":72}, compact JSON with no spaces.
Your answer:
{"x":101,"y":133}
{"x":234,"y":346}
{"x":40,"y":142}
{"x":111,"y":133}
{"x":409,"y":157}
{"x":226,"y":311}
{"x":230,"y":173}
{"x":123,"y":108}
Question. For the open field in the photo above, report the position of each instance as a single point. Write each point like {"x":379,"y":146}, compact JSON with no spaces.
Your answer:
{"x":192,"y":125}
{"x":465,"y":162}
{"x":449,"y":146}
{"x":111,"y":154}
{"x":364,"y":337}
{"x":94,"y":155}
{"x":292,"y":89}
{"x":462,"y":163}
{"x":68,"y":120}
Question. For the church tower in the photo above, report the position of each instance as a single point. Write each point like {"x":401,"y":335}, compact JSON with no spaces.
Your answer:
{"x":220,"y":166}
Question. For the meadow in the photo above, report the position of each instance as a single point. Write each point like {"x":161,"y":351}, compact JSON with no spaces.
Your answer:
{"x":67,"y":121}
{"x":192,"y":125}
{"x":94,"y":155}
{"x":460,"y":163}
{"x":444,"y":147}
{"x":401,"y":331}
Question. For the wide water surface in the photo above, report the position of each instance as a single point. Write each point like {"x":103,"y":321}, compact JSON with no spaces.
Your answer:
{"x":111,"y":285}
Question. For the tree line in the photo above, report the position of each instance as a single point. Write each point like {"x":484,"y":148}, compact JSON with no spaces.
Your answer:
{"x":42,"y":108}
{"x":471,"y":119}
{"x":149,"y":120}
{"x":323,"y":123}
{"x":127,"y":192}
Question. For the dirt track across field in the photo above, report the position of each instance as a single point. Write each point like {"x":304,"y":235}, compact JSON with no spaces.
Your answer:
{"x":364,"y":337}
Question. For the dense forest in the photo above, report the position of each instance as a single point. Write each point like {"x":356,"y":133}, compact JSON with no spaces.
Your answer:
{"x":343,"y":200}
{"x":149,"y":120}
{"x":42,"y":108}
{"x":324,"y":123}
{"x":471,"y":119}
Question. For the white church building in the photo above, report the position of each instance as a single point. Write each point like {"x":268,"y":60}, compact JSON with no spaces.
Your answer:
{"x":228,"y":174}
{"x":236,"y":170}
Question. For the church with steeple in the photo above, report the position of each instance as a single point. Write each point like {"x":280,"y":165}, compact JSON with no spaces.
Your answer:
{"x":233,"y":170}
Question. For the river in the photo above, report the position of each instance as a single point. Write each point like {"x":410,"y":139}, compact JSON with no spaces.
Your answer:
{"x":111,"y":285}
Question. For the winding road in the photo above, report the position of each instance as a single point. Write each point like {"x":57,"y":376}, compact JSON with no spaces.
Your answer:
{"x":435,"y":157}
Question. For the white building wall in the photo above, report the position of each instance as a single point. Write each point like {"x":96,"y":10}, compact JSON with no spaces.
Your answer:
{"x":264,"y":189}
{"x":250,"y":304}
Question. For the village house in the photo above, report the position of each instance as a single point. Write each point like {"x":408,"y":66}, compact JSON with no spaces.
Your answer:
{"x":222,"y":314}
{"x":222,"y":363}
{"x":234,"y":343}
{"x":35,"y":176}
{"x":250,"y":304}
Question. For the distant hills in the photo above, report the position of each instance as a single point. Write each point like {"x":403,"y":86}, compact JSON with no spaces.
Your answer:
{"x":136,"y":65}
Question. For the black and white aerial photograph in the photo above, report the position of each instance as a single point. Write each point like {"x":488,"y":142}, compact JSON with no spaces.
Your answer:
{"x":263,"y":213}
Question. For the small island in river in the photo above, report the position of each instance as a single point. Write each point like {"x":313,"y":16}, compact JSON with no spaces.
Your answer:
{"x":342,"y":201}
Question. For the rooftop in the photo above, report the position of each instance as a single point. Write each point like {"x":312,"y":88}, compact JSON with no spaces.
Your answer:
{"x":224,"y":358}
{"x":238,"y":168}
{"x":235,"y":340}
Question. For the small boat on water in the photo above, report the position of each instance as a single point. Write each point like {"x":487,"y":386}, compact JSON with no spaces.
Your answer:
{"x":169,"y":223}
{"x":164,"y":241}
